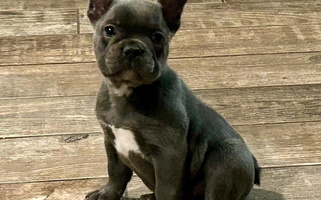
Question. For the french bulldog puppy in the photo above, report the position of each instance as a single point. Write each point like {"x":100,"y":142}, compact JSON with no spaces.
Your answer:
{"x":153,"y":124}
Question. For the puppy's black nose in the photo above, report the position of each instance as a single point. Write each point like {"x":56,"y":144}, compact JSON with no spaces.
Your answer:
{"x":132,"y":52}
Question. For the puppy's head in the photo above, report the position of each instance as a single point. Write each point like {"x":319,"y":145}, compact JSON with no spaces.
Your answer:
{"x":132,"y":37}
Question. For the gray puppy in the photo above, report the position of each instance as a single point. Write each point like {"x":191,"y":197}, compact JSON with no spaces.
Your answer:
{"x":153,"y":124}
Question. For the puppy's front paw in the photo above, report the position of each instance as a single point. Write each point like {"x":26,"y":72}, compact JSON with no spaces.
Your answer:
{"x":97,"y":195}
{"x":147,"y":197}
{"x":103,"y":194}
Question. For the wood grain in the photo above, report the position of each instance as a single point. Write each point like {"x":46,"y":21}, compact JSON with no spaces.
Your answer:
{"x":266,"y":104}
{"x":45,"y":22}
{"x":198,"y":73}
{"x":54,"y":190}
{"x":213,"y":15}
{"x":64,"y":115}
{"x":52,"y":158}
{"x":246,"y":40}
{"x":42,"y":5}
{"x":278,"y":13}
{"x":295,"y":183}
{"x":297,"y":141}
{"x":196,"y":15}
{"x":187,"y":43}
{"x":46,"y":49}
{"x":49,"y":80}
{"x":44,"y":116}
{"x":83,"y":156}
{"x":51,"y":4}
{"x":22,"y":21}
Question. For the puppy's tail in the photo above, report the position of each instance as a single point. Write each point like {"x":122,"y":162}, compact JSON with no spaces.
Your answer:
{"x":257,"y":177}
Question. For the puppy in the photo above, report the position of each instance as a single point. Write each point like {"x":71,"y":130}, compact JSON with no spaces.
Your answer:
{"x":153,"y":124}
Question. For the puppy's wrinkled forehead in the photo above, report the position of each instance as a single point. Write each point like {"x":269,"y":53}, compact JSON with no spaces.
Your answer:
{"x":135,"y":13}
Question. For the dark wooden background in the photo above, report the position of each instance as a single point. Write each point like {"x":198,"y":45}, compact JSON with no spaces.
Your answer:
{"x":259,"y":65}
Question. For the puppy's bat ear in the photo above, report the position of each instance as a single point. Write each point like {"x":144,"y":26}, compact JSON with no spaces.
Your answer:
{"x":172,"y":11}
{"x":97,"y":8}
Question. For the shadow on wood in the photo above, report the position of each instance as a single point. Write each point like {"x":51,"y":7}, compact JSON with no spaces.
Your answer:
{"x":259,"y":194}
{"x":256,"y":194}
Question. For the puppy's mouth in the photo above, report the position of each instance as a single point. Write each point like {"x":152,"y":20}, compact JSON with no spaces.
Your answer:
{"x":130,"y":61}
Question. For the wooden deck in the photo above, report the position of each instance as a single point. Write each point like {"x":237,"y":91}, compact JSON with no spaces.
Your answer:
{"x":260,"y":68}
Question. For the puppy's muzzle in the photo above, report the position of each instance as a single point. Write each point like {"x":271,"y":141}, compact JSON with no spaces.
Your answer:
{"x":137,"y":53}
{"x":132,"y":51}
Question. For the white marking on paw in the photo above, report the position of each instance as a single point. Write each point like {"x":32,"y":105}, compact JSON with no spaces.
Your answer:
{"x":125,"y":141}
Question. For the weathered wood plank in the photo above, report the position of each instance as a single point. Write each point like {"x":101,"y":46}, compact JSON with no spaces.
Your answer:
{"x":49,"y":80}
{"x":198,"y":73}
{"x":295,"y":183}
{"x":295,"y":139}
{"x":54,"y":190}
{"x":19,"y":23}
{"x":52,"y":4}
{"x":52,"y":158}
{"x":82,"y":155}
{"x":46,"y":49}
{"x":44,"y":4}
{"x":207,"y":15}
{"x":213,"y":15}
{"x":240,"y":106}
{"x":246,"y":40}
{"x":48,"y":116}
{"x":48,"y":4}
{"x":188,"y":43}
{"x":62,"y":4}
{"x":27,"y":22}
{"x":266,"y":104}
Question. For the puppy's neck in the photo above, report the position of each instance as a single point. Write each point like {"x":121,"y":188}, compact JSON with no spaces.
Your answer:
{"x":119,"y":88}
{"x":146,"y":93}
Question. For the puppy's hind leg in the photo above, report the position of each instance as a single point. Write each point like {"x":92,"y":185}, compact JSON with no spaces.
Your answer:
{"x":229,"y":171}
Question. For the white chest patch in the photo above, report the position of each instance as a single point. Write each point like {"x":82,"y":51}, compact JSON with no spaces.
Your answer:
{"x":125,"y":141}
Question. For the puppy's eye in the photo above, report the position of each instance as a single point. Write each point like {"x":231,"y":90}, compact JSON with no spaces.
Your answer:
{"x":110,"y":31}
{"x":158,"y":38}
